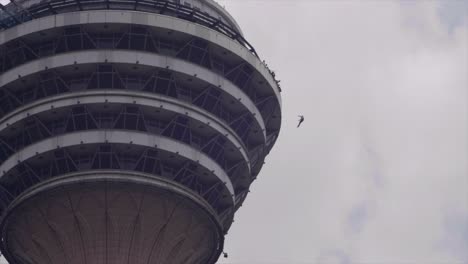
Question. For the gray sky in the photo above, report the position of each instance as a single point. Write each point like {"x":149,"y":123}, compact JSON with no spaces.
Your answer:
{"x":378,"y":172}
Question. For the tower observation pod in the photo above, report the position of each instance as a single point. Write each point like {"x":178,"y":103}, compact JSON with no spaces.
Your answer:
{"x":130,"y":130}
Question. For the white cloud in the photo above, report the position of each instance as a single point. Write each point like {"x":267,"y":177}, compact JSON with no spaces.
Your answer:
{"x":378,"y":172}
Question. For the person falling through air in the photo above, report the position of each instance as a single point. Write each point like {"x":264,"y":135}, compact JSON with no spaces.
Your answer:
{"x":301,"y":119}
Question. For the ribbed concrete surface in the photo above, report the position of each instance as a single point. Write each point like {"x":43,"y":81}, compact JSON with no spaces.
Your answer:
{"x":110,"y":223}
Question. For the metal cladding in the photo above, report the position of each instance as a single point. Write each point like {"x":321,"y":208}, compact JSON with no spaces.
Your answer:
{"x":130,"y":131}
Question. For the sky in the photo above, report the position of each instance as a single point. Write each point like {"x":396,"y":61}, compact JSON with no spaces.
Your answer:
{"x":378,"y":172}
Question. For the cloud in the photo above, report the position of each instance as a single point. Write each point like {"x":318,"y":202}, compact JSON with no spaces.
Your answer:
{"x":333,"y":257}
{"x":358,"y":217}
{"x":455,"y":238}
{"x":378,"y":171}
{"x":453,"y":13}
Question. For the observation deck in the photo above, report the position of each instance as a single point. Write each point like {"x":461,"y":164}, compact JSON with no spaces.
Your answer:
{"x":130,"y":131}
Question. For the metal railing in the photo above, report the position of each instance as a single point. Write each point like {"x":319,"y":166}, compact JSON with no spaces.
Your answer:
{"x":11,"y":16}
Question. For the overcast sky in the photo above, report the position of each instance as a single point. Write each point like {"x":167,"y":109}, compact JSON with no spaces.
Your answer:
{"x":378,"y":171}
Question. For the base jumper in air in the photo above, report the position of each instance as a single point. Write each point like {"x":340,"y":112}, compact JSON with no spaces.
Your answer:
{"x":301,"y":119}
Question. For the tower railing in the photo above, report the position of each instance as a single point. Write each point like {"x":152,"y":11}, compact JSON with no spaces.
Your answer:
{"x":14,"y":15}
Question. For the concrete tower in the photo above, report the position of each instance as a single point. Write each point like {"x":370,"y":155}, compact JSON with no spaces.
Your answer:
{"x":130,"y":130}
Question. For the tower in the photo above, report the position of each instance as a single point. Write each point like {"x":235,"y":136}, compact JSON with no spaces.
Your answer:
{"x":130,"y":130}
